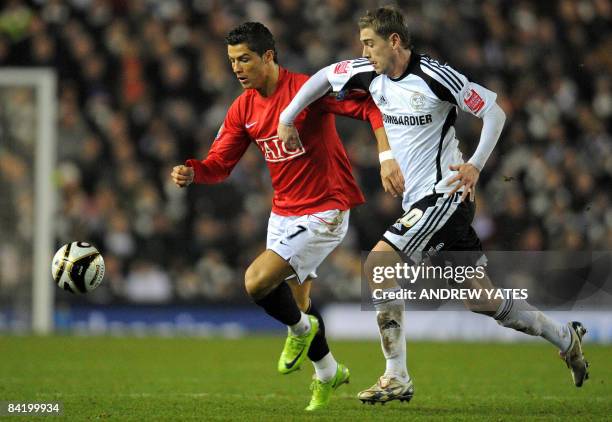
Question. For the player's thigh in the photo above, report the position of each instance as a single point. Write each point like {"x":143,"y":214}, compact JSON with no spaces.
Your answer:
{"x":405,"y":238}
{"x":456,"y":242}
{"x":266,"y":272}
{"x":301,"y":292}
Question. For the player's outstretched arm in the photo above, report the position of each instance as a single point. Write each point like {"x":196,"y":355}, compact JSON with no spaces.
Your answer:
{"x":317,"y":86}
{"x":227,"y":149}
{"x":468,"y":173}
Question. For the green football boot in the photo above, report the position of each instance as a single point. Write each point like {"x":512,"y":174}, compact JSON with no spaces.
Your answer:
{"x":296,"y":348}
{"x":322,"y":391}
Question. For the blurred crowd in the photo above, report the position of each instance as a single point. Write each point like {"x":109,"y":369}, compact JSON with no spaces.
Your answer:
{"x":144,"y":84}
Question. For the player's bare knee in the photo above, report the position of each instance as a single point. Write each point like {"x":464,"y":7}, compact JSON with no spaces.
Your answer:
{"x":373,"y":261}
{"x":256,"y":283}
{"x":374,"y":269}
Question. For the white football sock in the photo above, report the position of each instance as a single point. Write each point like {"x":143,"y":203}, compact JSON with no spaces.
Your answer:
{"x":302,"y":326}
{"x":390,"y":319}
{"x":521,"y":316}
{"x":326,"y":367}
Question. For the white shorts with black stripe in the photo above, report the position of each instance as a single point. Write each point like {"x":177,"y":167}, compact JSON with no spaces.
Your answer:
{"x":437,"y":222}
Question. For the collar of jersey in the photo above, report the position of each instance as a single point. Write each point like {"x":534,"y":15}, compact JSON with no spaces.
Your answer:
{"x":414,"y":61}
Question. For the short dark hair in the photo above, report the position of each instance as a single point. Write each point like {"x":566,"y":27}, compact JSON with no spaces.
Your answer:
{"x":385,"y":21}
{"x":255,"y":35}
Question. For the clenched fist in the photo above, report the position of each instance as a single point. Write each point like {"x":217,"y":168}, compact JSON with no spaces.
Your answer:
{"x":182,"y":176}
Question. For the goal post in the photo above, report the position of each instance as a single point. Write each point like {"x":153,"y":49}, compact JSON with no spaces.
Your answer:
{"x":44,"y":83}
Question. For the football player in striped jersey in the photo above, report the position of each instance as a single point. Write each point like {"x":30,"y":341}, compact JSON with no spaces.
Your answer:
{"x":419,"y":98}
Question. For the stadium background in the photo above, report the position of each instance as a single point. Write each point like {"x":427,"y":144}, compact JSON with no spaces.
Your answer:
{"x":145,"y":84}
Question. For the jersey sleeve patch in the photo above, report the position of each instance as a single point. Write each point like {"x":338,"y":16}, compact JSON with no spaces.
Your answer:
{"x":342,"y":67}
{"x":473,"y":101}
{"x":350,"y":74}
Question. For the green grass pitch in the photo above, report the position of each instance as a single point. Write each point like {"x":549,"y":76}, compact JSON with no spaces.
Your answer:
{"x":144,"y":379}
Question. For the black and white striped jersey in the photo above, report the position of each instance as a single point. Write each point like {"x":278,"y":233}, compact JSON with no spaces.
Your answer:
{"x":419,"y":110}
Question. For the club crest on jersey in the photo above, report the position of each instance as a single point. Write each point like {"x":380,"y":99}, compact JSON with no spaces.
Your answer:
{"x":473,"y":101}
{"x":382,"y":101}
{"x":417,"y":101}
{"x":342,"y":67}
{"x":274,"y":150}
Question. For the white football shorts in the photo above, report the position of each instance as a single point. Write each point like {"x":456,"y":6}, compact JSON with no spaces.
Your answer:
{"x":305,"y":241}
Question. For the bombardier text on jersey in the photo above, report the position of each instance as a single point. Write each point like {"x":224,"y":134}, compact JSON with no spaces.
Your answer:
{"x":423,"y":119}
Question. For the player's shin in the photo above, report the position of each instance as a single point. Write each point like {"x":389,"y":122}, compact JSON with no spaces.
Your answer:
{"x":322,"y":359}
{"x":390,"y":319}
{"x":521,"y":316}
{"x":281,"y":306}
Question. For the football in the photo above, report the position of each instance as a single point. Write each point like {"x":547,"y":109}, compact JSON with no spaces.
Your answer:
{"x":78,"y":267}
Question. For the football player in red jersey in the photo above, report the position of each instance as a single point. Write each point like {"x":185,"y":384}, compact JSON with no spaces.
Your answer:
{"x":314,"y":191}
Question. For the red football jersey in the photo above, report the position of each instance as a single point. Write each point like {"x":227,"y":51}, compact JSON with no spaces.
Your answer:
{"x":315,"y":177}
